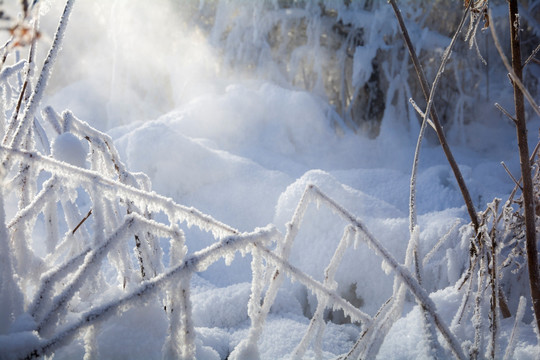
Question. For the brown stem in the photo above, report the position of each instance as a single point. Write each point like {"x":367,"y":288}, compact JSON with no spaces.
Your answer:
{"x":82,"y":222}
{"x":435,"y":118}
{"x":528,"y":194}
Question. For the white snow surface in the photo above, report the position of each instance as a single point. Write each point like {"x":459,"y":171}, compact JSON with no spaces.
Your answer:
{"x":243,"y":150}
{"x":68,"y":148}
{"x":246,"y":156}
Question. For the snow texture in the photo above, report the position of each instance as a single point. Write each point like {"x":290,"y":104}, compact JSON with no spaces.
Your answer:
{"x":243,"y":214}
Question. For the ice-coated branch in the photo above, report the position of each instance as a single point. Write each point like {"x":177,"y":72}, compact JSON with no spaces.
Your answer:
{"x":101,"y":141}
{"x":54,"y":119}
{"x":463,"y":306}
{"x":76,"y":176}
{"x":369,"y":343}
{"x":89,"y":256}
{"x":316,"y":325}
{"x":419,"y":292}
{"x":477,"y":318}
{"x":39,"y":90}
{"x":197,"y":262}
{"x":508,"y":354}
{"x":24,"y":92}
{"x":439,"y":243}
{"x":47,"y":281}
{"x":429,"y":93}
{"x":11,"y":70}
{"x":515,"y":70}
{"x":11,"y":296}
{"x":317,"y":288}
{"x":92,"y":261}
{"x":248,"y":347}
{"x":33,"y":209}
{"x":515,"y":79}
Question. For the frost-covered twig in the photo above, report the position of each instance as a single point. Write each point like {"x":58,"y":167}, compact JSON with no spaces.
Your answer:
{"x":334,"y":298}
{"x":439,"y":243}
{"x":36,"y":96}
{"x":515,"y":69}
{"x":408,"y":279}
{"x":515,"y":79}
{"x":463,"y":306}
{"x":24,"y":94}
{"x":508,"y":354}
{"x":92,"y":261}
{"x":33,"y":209}
{"x":76,"y":176}
{"x":371,"y":340}
{"x":249,"y":345}
{"x":197,"y":262}
{"x":532,"y":56}
{"x":11,"y":296}
{"x":429,"y":96}
{"x":316,"y":325}
{"x":359,"y":346}
{"x":478,"y":316}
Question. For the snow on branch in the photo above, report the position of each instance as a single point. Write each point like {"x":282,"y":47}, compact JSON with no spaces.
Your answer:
{"x":76,"y":176}
{"x":197,"y":262}
{"x":419,"y":292}
{"x":35,"y":98}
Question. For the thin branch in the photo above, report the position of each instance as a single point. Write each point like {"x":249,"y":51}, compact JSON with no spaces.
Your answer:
{"x":430,"y":109}
{"x":199,"y":261}
{"x":531,"y":57}
{"x":39,"y":90}
{"x":503,"y":110}
{"x":408,"y":279}
{"x":516,"y":70}
{"x":82,"y":221}
{"x":515,"y":79}
{"x":511,"y":176}
{"x":421,"y":113}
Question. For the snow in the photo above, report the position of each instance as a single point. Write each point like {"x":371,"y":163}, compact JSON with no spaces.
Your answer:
{"x":265,"y":226}
{"x":67,"y":147}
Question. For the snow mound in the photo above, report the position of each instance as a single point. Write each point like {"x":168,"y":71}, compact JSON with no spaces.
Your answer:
{"x":361,"y":277}
{"x":68,"y":148}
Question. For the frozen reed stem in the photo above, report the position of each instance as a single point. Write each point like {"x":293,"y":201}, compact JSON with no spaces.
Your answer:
{"x":429,"y":93}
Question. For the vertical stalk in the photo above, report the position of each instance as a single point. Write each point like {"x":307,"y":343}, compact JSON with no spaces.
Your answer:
{"x":428,"y":94}
{"x":521,"y":129}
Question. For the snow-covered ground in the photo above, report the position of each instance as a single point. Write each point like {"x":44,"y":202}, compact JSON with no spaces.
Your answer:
{"x":243,"y":149}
